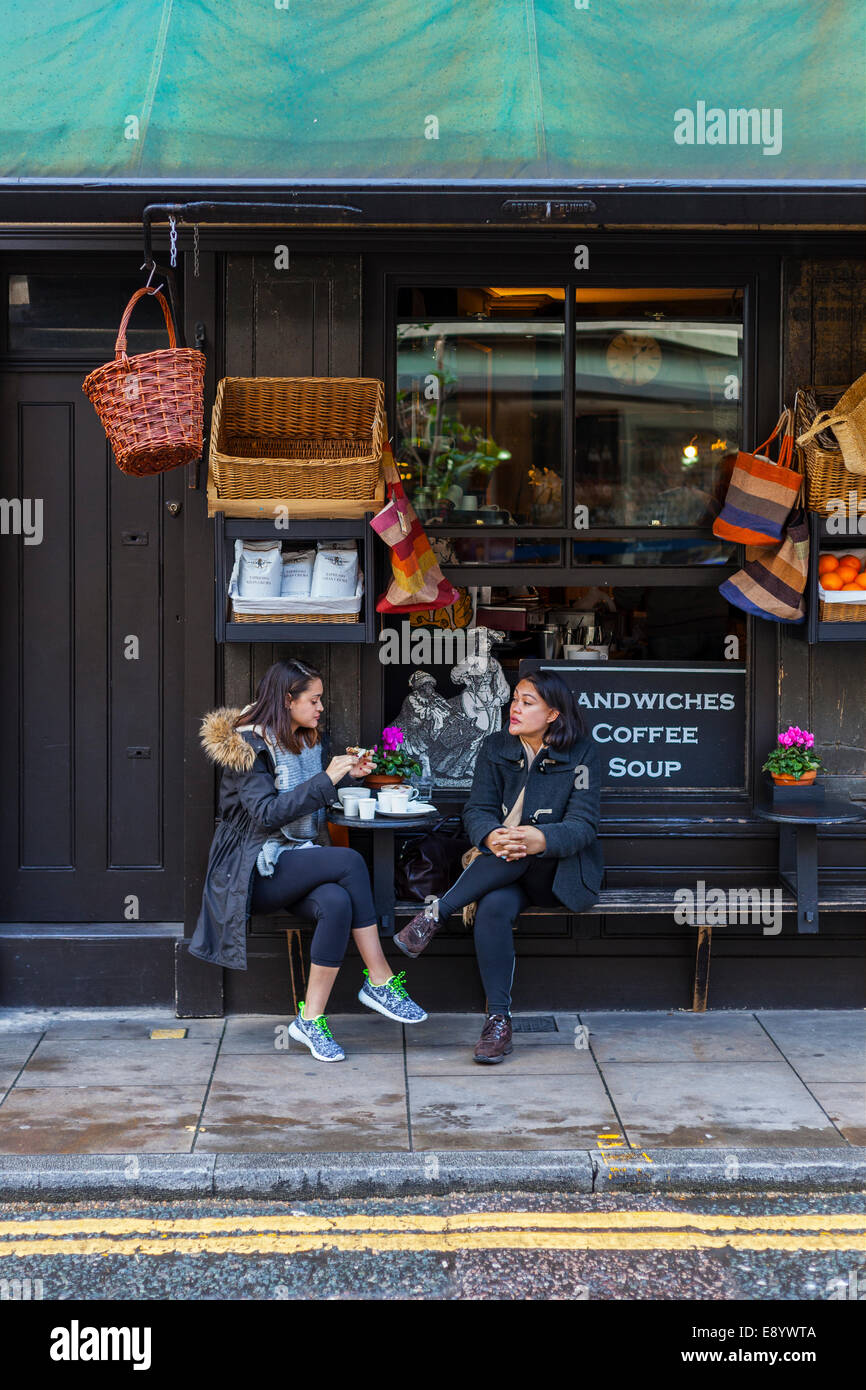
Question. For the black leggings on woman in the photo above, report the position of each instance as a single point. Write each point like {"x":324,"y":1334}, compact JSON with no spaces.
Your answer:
{"x":502,"y":888}
{"x":328,"y":885}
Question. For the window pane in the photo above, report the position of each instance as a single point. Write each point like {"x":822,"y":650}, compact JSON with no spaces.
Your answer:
{"x":664,"y":550}
{"x":80,"y":316}
{"x":494,"y":550}
{"x":479,"y":406}
{"x":657,"y":411}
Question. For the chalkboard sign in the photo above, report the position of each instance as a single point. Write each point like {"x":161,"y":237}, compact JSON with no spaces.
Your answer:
{"x":681,"y":725}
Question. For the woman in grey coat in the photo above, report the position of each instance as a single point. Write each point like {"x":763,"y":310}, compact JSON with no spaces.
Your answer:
{"x":271,"y":850}
{"x":533,"y":817}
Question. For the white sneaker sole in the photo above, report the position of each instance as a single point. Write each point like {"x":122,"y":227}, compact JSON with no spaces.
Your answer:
{"x":295,"y":1032}
{"x":374,"y":1004}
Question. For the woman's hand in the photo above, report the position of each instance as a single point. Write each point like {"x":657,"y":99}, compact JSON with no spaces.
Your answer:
{"x":343,"y":763}
{"x":363,"y":767}
{"x":519,"y":841}
{"x":497,"y":840}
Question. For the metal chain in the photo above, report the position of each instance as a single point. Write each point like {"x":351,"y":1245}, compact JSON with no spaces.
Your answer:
{"x":195,"y":250}
{"x":173,"y":240}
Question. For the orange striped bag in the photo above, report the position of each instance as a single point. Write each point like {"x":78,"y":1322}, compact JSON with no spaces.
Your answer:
{"x":418,"y":582}
{"x":761,"y":493}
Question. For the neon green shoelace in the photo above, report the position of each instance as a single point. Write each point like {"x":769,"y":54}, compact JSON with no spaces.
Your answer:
{"x":396,"y":982}
{"x":321,"y":1022}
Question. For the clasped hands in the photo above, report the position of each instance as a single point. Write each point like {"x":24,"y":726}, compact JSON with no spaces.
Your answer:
{"x":516,"y":841}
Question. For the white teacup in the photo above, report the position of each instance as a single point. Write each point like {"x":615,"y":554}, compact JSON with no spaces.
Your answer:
{"x":384,"y":800}
{"x":400,"y":799}
{"x":351,"y":804}
{"x":366,"y":808}
{"x":348,"y":793}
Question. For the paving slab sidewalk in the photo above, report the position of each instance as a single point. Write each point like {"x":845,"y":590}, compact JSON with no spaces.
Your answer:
{"x":94,"y":1082}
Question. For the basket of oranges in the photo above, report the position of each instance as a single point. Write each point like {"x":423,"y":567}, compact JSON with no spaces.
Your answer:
{"x":842,"y":586}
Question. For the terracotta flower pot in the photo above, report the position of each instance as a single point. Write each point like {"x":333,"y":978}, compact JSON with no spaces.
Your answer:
{"x":784,"y":779}
{"x":378,"y":780}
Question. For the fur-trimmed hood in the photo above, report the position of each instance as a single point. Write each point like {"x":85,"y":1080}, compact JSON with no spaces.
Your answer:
{"x":224,"y":744}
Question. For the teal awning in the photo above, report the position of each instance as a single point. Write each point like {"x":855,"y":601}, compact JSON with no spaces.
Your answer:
{"x":435,"y":90}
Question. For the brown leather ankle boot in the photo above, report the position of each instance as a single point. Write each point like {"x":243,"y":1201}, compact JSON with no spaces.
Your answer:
{"x":495,"y":1042}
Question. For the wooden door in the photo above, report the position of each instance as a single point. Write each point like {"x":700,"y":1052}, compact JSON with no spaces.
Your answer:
{"x":91,"y":663}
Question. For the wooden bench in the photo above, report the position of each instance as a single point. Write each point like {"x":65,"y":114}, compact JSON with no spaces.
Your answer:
{"x":621,"y":902}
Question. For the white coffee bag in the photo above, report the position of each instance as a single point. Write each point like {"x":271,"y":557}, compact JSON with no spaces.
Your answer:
{"x":260,"y":572}
{"x":297,"y":573}
{"x":335,"y":573}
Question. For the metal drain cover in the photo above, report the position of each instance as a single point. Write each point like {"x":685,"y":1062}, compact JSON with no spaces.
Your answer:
{"x":533,"y":1023}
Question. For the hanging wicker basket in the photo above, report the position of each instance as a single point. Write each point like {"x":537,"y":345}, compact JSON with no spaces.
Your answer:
{"x":828,"y":481}
{"x":152,"y":404}
{"x":297,"y":437}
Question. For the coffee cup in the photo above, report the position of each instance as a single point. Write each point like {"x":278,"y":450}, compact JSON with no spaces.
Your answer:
{"x":353,"y":793}
{"x":470,"y":503}
{"x":366,"y":808}
{"x":384,"y":800}
{"x":400,"y":799}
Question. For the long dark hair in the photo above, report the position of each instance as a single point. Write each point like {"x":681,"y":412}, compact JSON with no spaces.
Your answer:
{"x":569,"y":727}
{"x":290,"y":677}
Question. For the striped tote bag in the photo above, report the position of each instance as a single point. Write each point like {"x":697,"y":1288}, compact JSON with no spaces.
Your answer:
{"x":771,"y":583}
{"x":417,"y":582}
{"x":761,"y":493}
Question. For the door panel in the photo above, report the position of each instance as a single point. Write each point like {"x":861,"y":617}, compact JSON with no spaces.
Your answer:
{"x":91,"y":661}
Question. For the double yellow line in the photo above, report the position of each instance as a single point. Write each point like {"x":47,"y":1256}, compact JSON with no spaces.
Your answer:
{"x":492,"y":1230}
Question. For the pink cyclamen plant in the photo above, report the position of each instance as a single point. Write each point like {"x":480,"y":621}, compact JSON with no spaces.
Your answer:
{"x":391,"y":760}
{"x":794,"y":753}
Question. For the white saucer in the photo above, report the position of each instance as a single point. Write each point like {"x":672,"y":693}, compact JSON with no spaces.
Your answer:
{"x":415,"y":808}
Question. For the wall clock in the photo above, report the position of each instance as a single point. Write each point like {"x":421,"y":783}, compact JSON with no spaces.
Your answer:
{"x":634,"y":357}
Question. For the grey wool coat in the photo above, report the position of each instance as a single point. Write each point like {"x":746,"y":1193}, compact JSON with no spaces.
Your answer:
{"x":567,"y":814}
{"x":250,"y":811}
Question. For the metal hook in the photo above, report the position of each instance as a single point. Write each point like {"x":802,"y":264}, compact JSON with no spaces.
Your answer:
{"x":156,"y":289}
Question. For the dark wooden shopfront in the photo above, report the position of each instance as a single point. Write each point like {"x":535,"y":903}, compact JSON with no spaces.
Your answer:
{"x":107,"y":801}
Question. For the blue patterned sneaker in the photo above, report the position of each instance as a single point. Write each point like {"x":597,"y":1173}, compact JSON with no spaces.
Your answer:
{"x":391,"y":999}
{"x":317,"y":1036}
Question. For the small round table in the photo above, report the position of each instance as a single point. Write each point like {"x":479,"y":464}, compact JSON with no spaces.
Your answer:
{"x":798,"y":846}
{"x":383,"y":829}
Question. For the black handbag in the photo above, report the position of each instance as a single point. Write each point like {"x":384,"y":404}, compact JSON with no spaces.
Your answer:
{"x":427,"y":866}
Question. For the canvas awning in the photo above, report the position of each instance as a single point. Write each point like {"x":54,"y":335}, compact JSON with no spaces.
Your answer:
{"x":423,"y":90}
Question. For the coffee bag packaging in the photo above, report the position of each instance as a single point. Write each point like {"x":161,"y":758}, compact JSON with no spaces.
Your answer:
{"x":297,"y":573}
{"x":335,"y":572}
{"x":260,"y":571}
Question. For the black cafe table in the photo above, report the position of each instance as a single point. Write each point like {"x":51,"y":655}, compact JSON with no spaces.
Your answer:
{"x":383,"y":829}
{"x":799,"y":822}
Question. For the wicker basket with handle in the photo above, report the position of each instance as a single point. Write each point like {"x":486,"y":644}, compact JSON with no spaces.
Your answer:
{"x":827,"y":479}
{"x":151,"y":404}
{"x":297,"y":437}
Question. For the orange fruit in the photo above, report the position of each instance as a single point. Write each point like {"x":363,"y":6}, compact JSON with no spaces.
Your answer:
{"x":849,"y":560}
{"x":851,"y":588}
{"x":826,"y":563}
{"x":831,"y":581}
{"x":860,"y":581}
{"x":846,"y":573}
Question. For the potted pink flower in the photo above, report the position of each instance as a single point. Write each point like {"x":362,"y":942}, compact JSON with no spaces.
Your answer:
{"x":390,"y":762}
{"x":794,"y":762}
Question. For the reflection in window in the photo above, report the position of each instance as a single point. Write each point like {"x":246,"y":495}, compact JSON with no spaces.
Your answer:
{"x":80,"y":316}
{"x":655,"y":550}
{"x":657,"y":411}
{"x":479,"y":406}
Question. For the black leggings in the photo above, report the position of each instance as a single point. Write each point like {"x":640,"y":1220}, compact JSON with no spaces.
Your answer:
{"x":502,"y":888}
{"x":328,"y":885}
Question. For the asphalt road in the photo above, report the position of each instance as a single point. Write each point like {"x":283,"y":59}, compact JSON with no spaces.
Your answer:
{"x":809,"y":1248}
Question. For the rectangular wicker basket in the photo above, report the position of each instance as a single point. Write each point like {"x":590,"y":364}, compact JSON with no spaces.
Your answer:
{"x":827,"y":478}
{"x":297,"y":438}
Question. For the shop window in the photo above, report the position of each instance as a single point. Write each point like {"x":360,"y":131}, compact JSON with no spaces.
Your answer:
{"x":77,"y":316}
{"x":479,"y":404}
{"x":439,"y":684}
{"x":658,"y":376}
{"x":655,"y":550}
